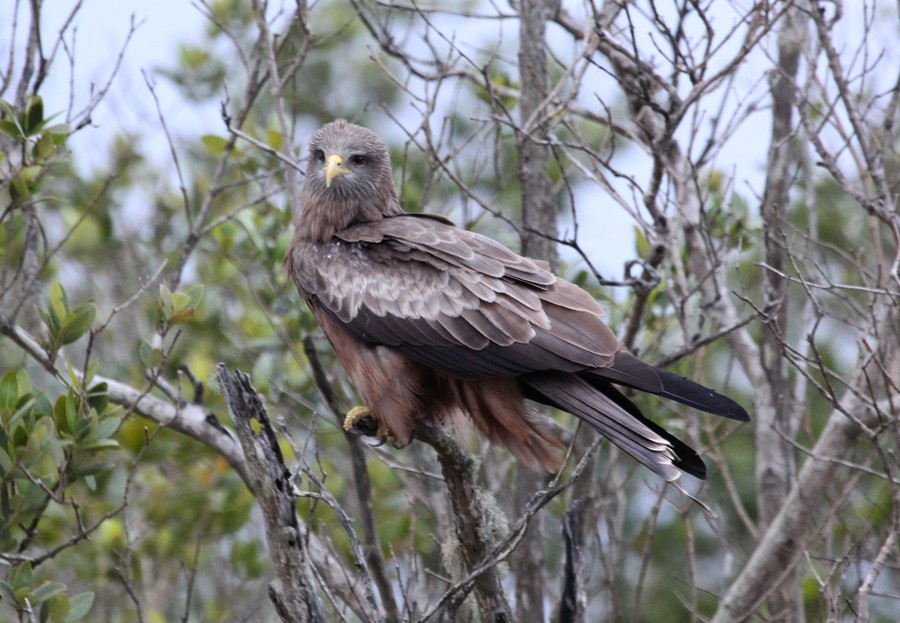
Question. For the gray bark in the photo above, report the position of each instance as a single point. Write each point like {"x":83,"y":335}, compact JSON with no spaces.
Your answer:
{"x":293,"y":591}
{"x":469,"y":522}
{"x":776,"y":419}
{"x":538,"y":241}
{"x":539,"y":232}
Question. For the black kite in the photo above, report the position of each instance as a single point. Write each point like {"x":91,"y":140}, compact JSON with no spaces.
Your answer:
{"x":433,"y":321}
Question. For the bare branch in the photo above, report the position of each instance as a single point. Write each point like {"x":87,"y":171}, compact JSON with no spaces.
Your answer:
{"x":802,"y":516}
{"x":293,"y":594}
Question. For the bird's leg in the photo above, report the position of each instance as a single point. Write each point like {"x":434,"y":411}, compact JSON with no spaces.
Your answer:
{"x":359,"y":420}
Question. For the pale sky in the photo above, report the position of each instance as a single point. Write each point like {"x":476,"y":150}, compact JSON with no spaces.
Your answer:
{"x":102,"y":27}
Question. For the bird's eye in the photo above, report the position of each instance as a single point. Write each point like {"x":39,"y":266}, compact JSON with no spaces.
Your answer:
{"x":317,"y":155}
{"x":359,"y":159}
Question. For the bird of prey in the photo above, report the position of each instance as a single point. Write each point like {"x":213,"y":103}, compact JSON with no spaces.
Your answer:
{"x":433,"y":321}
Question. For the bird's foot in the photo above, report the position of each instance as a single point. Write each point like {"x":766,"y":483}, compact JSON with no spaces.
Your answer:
{"x":360,"y":421}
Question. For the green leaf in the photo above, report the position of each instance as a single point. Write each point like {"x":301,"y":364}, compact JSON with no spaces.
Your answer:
{"x":34,"y":114}
{"x":56,"y":609}
{"x":13,"y":384}
{"x":180,"y":300}
{"x":215,"y":144}
{"x":181,"y":316}
{"x":196,"y":294}
{"x":100,"y":444}
{"x":86,"y":424}
{"x":77,"y":323}
{"x":7,"y":594}
{"x":98,"y":397}
{"x":19,"y":434}
{"x":31,"y":173}
{"x":165,"y":301}
{"x":274,"y":139}
{"x":6,"y":463}
{"x":107,"y":427}
{"x":46,"y":590}
{"x":60,"y":129}
{"x":72,"y":410}
{"x":48,"y":321}
{"x":22,"y":185}
{"x":150,"y":357}
{"x":20,"y":577}
{"x":11,"y":129}
{"x":65,"y":414}
{"x":73,"y":377}
{"x":44,"y":148}
{"x":89,"y":376}
{"x":87,"y":468}
{"x":18,"y":189}
{"x":60,"y":416}
{"x":641,"y":243}
{"x":58,"y":304}
{"x":80,"y":606}
{"x":179,"y":307}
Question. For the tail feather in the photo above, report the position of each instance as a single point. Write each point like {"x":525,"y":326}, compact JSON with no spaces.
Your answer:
{"x":630,"y":371}
{"x":605,"y":408}
{"x":687,"y":459}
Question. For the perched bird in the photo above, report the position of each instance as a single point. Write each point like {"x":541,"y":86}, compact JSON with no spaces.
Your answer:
{"x":433,"y":321}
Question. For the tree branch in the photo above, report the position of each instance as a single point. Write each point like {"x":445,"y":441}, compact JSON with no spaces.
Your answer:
{"x":777,"y":421}
{"x":802,"y":515}
{"x":293,"y":592}
{"x":469,"y":521}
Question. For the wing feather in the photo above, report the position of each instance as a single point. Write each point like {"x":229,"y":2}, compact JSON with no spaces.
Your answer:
{"x":517,"y":328}
{"x":453,"y":299}
{"x":463,"y":332}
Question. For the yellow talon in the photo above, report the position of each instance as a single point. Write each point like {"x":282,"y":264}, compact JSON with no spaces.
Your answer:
{"x":354,"y":415}
{"x":360,"y":421}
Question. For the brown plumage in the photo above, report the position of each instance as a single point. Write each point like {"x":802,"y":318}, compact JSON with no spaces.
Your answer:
{"x":433,"y":321}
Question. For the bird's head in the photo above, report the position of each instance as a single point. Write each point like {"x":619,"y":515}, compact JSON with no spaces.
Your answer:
{"x":348,"y":161}
{"x":348,"y":181}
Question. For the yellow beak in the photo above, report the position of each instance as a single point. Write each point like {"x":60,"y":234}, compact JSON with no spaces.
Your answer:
{"x":334,"y":166}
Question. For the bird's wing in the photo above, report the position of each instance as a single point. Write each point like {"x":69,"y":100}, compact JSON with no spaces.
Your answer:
{"x":452,"y":299}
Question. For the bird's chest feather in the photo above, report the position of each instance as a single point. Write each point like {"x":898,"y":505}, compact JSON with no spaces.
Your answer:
{"x":391,"y":385}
